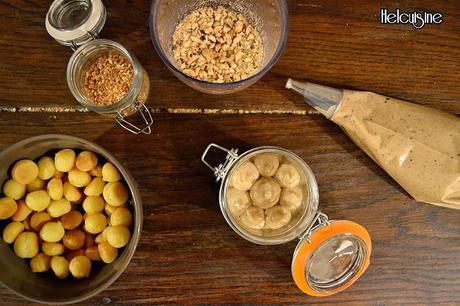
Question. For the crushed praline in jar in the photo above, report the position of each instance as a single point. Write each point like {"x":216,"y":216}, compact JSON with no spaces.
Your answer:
{"x":108,"y":79}
{"x":217,"y":45}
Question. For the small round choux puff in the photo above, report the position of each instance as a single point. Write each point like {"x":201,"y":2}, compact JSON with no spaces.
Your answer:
{"x":238,"y":201}
{"x":288,"y":176}
{"x":244,"y":176}
{"x":265,"y":192}
{"x":267,"y":163}
{"x":291,"y":198}
{"x":8,"y":207}
{"x":253,"y":217}
{"x":24,"y":171}
{"x":277,"y":217}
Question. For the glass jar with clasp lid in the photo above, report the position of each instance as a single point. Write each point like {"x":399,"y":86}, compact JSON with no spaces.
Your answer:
{"x":77,"y":24}
{"x":269,"y":196}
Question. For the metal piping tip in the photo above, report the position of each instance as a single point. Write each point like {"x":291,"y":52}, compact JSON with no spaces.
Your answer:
{"x":324,"y":99}
{"x":295,"y":85}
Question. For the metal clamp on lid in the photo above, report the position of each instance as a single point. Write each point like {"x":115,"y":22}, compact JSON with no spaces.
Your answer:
{"x":320,"y":220}
{"x":222,"y":169}
{"x":146,"y":116}
{"x":75,"y":22}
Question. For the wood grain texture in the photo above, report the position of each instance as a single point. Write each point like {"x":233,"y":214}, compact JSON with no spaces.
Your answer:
{"x":187,"y":252}
{"x":339,"y":43}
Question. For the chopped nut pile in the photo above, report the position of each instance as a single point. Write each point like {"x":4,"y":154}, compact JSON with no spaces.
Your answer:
{"x":108,"y":79}
{"x":217,"y":46}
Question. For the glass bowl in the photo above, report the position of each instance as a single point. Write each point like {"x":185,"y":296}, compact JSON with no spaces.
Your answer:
{"x":270,"y":17}
{"x":45,"y":288}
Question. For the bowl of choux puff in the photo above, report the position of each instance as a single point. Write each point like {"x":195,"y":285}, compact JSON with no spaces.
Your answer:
{"x":70,"y":217}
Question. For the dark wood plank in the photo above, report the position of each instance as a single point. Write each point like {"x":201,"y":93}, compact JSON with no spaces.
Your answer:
{"x":340,"y":43}
{"x":188,"y":254}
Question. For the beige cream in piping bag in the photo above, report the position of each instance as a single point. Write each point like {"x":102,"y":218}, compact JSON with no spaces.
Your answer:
{"x":419,"y":147}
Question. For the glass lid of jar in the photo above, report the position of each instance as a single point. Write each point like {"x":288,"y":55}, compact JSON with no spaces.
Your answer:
{"x":75,"y":22}
{"x":331,"y":256}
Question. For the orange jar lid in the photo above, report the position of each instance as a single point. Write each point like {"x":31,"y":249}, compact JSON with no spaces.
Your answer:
{"x":332,"y":257}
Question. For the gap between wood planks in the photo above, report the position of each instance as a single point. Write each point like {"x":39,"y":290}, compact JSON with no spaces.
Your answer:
{"x":206,"y":111}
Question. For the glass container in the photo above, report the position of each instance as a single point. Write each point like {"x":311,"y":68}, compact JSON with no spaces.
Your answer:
{"x":44,"y":288}
{"x":270,"y":18}
{"x":330,"y":256}
{"x":77,"y":24}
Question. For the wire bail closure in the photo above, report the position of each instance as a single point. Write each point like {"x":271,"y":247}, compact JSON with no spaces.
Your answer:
{"x":320,"y":220}
{"x":146,"y":115}
{"x":221,"y":170}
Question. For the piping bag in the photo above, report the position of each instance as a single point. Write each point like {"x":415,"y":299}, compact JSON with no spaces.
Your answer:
{"x":418,"y":146}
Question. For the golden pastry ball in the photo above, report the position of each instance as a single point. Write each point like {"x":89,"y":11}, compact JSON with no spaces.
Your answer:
{"x":38,"y":200}
{"x":86,"y":161}
{"x":40,"y":263}
{"x":26,"y":245}
{"x":60,"y":266}
{"x":93,"y":205}
{"x":107,"y":252}
{"x":80,"y":267}
{"x":110,"y":173}
{"x":95,"y":188}
{"x":14,"y":190}
{"x":37,"y":220}
{"x":59,"y":208}
{"x":37,"y":184}
{"x":8,"y":207}
{"x":78,"y":178}
{"x":53,"y":248}
{"x":71,"y":192}
{"x":12,"y":231}
{"x":121,"y":216}
{"x":46,"y":169}
{"x":72,"y":220}
{"x":115,"y":193}
{"x":118,"y":236}
{"x":64,"y":160}
{"x":22,"y":211}
{"x":74,"y":239}
{"x":52,"y":232}
{"x":94,"y":224}
{"x":55,"y":189}
{"x":24,"y":171}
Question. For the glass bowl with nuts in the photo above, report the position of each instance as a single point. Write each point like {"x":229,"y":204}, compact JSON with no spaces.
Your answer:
{"x":70,"y":217}
{"x":269,"y":196}
{"x":219,"y":47}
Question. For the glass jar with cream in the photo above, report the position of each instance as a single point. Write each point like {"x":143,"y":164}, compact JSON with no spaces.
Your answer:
{"x":269,"y":196}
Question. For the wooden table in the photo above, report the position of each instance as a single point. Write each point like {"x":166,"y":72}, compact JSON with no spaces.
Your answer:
{"x":187,"y":253}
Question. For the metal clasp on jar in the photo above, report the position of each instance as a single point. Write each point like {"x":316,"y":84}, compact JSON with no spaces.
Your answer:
{"x":220,"y":171}
{"x":320,"y":220}
{"x":146,"y":116}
